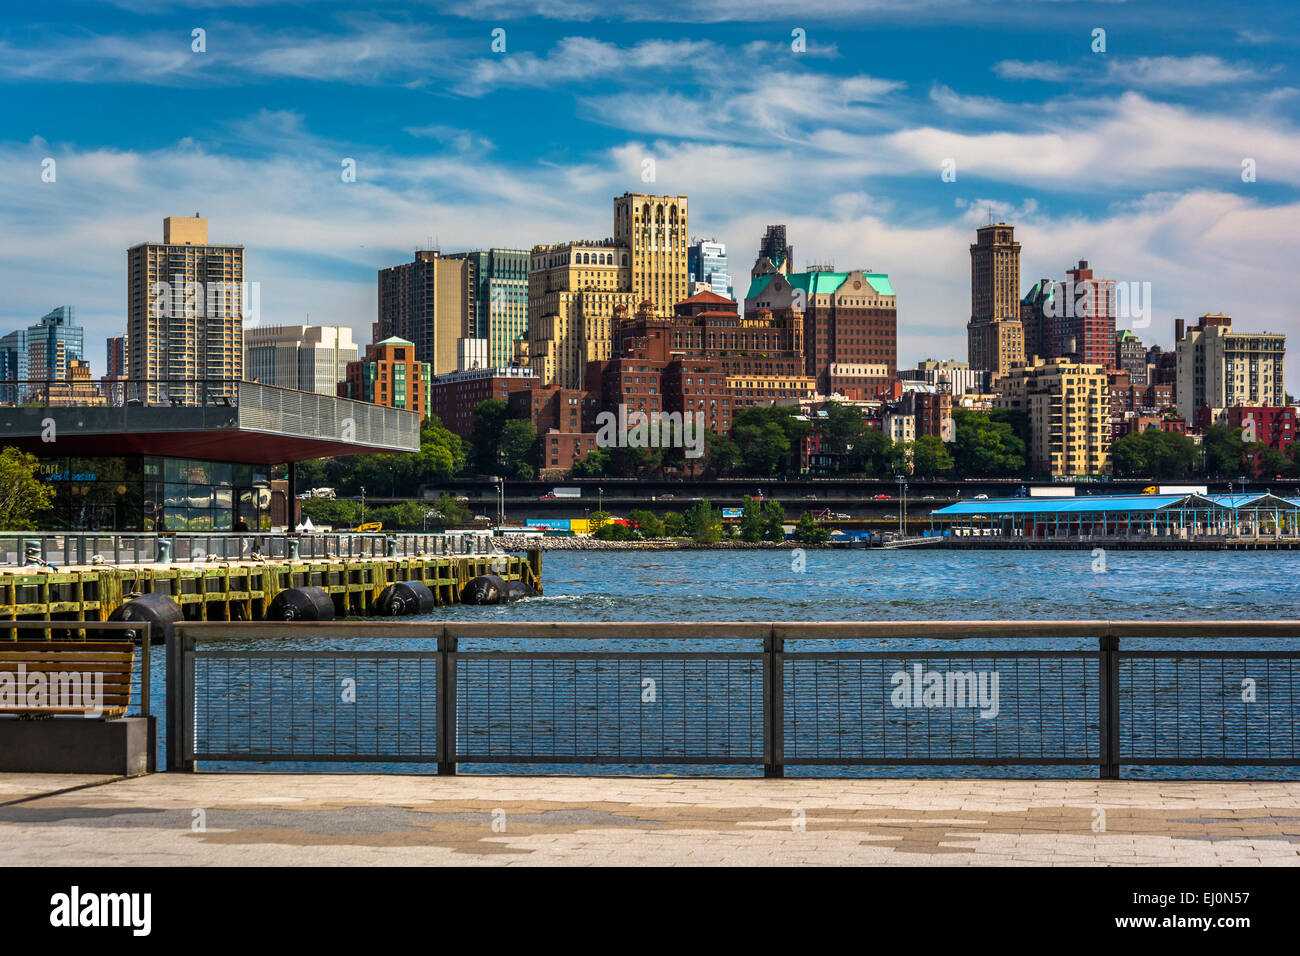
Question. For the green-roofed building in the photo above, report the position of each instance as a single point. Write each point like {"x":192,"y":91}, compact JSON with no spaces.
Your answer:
{"x":850,"y":323}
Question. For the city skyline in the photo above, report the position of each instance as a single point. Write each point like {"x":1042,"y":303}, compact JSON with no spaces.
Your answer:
{"x":474,"y":149}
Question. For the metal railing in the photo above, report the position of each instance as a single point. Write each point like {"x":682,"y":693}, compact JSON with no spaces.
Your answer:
{"x":77,"y":632}
{"x":776,"y":695}
{"x":75,"y":548}
{"x":162,"y":405}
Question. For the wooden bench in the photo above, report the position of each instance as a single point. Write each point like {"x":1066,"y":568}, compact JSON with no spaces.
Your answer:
{"x":76,"y":674}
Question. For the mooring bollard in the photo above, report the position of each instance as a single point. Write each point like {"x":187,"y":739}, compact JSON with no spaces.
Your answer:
{"x":32,"y":551}
{"x":293,"y":549}
{"x":164,"y":551}
{"x":392,"y":547}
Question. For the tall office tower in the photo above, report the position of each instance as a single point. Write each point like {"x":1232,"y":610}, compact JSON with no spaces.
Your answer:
{"x":42,"y":352}
{"x":500,"y":301}
{"x":706,"y":261}
{"x":430,"y":303}
{"x":116,"y":353}
{"x":995,"y":336}
{"x":185,"y":319}
{"x":655,"y":229}
{"x":308,"y":358}
{"x":1219,"y":368}
{"x":574,"y":287}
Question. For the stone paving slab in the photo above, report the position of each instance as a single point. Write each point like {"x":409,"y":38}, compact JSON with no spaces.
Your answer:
{"x":23,"y":786}
{"x":350,"y":819}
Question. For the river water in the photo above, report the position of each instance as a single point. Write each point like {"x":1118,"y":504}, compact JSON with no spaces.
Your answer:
{"x":1049,"y":704}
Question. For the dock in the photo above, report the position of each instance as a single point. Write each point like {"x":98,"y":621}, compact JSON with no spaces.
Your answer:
{"x":242,"y":588}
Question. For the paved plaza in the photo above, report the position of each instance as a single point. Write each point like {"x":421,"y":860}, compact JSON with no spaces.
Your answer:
{"x":348,"y":819}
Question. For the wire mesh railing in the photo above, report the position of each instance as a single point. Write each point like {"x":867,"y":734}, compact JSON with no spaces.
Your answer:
{"x":778,"y":695}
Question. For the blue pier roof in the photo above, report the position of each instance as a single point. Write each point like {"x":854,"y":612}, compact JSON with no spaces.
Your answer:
{"x":1097,"y":504}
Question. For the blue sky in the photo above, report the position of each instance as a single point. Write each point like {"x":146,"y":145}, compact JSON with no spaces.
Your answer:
{"x":1130,"y":158}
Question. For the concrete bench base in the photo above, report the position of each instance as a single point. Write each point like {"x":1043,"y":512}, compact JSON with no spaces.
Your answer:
{"x":76,"y":745}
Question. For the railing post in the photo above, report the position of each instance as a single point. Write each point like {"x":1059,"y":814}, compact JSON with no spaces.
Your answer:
{"x":180,"y":699}
{"x":446,"y":705}
{"x":773,"y":705}
{"x":1108,"y":706}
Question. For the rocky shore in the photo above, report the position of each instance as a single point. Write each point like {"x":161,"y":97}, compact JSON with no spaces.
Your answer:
{"x":528,"y":542}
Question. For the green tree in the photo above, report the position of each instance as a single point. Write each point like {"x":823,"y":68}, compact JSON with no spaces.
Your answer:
{"x":873,"y":453}
{"x":752,"y":523}
{"x":646,"y":522}
{"x":596,"y":464}
{"x":340,"y":515}
{"x":674,"y":525}
{"x":721,"y":456}
{"x":490,"y":417}
{"x":23,"y":496}
{"x":448,"y":512}
{"x":773,"y":521}
{"x":519,"y":448}
{"x":1224,"y":450}
{"x":1152,"y":453}
{"x":986,"y":447}
{"x":930,"y":457}
{"x":615,"y":531}
{"x":811,"y":531}
{"x":704,"y":523}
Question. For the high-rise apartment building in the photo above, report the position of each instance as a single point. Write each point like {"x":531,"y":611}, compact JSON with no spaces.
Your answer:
{"x":995,"y":336}
{"x":185,"y":314}
{"x":430,"y":302}
{"x":500,"y":301}
{"x":1131,"y":357}
{"x":391,"y":375}
{"x":1085,"y":318}
{"x":309,"y":358}
{"x":706,"y":262}
{"x":574,"y":287}
{"x":1068,"y":405}
{"x":1219,"y":368}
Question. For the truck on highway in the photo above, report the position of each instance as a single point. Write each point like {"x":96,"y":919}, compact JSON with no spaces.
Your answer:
{"x":563,"y":493}
{"x":1183,"y":489}
{"x":1052,"y":491}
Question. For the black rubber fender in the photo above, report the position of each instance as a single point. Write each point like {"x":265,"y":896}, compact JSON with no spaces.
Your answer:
{"x":301,"y":604}
{"x":404,"y":597}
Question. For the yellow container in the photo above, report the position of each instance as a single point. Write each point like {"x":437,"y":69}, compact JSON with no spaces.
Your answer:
{"x":580,"y":526}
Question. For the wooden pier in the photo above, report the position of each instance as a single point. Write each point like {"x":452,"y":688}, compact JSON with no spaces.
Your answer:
{"x":242,"y":590}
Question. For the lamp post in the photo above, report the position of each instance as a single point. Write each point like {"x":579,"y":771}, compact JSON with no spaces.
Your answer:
{"x":363,"y":504}
{"x":600,"y":499}
{"x":501,"y":501}
{"x":902,"y":503}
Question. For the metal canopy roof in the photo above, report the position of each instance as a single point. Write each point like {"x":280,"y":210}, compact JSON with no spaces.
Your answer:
{"x":1097,"y":504}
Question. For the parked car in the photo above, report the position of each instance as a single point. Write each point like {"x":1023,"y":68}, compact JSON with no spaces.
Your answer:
{"x":548,"y":496}
{"x":666,"y":497}
{"x":981,"y":497}
{"x":880,"y":497}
